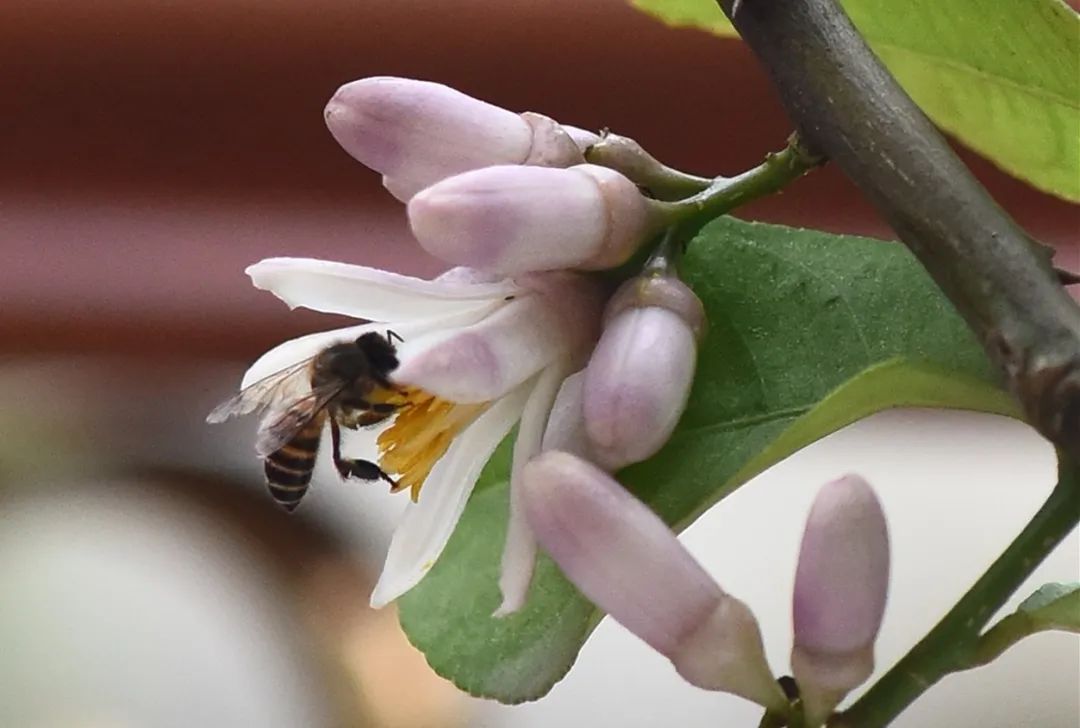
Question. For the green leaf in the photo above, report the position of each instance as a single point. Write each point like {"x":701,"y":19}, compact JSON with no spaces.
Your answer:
{"x":1054,"y":606}
{"x":1051,"y":607}
{"x":808,"y":332}
{"x":1001,"y":75}
{"x":448,"y":616}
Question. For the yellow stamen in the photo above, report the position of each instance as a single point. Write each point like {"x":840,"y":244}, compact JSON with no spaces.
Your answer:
{"x":384,"y":395}
{"x":420,"y":434}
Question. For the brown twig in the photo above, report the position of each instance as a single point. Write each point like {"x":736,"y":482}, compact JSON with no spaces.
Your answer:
{"x":849,"y":108}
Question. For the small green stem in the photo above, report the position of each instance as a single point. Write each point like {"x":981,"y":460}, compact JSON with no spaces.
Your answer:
{"x":625,"y":155}
{"x":666,"y":258}
{"x":999,"y":638}
{"x":953,"y":642}
{"x":725,"y":194}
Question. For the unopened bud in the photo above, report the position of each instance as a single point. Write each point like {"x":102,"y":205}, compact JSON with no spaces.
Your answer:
{"x":629,"y":563}
{"x":638,"y":380}
{"x":840,"y":589}
{"x":418,"y":132}
{"x":512,"y":219}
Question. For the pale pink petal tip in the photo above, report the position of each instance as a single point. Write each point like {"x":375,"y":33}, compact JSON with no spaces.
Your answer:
{"x":417,"y":132}
{"x":629,"y":563}
{"x":841,"y":587}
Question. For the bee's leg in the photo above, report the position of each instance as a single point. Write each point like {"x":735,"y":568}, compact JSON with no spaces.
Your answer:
{"x":362,"y":469}
{"x":367,"y":470}
{"x":340,"y":463}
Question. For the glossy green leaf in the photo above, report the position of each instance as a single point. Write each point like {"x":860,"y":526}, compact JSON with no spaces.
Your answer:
{"x":808,"y":332}
{"x":1001,"y":75}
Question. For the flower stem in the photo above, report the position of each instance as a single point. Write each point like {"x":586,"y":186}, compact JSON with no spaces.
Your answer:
{"x":953,"y":643}
{"x":999,"y":638}
{"x":725,"y":194}
{"x":625,"y":155}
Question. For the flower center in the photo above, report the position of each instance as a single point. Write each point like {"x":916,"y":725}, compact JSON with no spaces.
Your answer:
{"x":420,"y":434}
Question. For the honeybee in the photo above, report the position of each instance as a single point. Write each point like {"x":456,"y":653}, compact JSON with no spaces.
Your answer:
{"x":346,"y":384}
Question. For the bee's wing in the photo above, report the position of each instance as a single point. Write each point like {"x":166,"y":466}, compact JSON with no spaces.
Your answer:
{"x":281,"y":425}
{"x":272,"y":390}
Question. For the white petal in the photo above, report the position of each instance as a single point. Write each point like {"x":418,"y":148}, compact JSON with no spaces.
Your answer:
{"x":369,"y":293}
{"x":483,"y":362}
{"x":519,"y":552}
{"x":295,"y":350}
{"x":566,"y":425}
{"x":464,"y":275}
{"x":427,"y":525}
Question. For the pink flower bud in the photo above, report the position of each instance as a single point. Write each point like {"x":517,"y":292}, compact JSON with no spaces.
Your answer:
{"x":638,"y":380}
{"x":417,"y":132}
{"x":514,"y":219}
{"x":840,"y":589}
{"x":627,"y":561}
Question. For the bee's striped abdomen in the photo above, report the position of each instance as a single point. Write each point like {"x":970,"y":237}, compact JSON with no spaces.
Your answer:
{"x":288,"y":470}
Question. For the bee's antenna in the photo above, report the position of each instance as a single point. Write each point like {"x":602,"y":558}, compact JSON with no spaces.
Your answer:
{"x":391,"y":335}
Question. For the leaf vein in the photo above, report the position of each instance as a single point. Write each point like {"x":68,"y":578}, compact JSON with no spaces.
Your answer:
{"x":835,"y":288}
{"x":750,"y":420}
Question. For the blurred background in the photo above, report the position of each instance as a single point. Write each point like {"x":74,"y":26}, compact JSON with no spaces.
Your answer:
{"x":149,"y":151}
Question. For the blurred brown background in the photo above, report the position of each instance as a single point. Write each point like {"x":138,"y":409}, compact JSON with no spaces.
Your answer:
{"x":149,"y":151}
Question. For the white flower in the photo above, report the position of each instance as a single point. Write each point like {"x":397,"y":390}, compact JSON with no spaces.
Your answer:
{"x":477,"y":356}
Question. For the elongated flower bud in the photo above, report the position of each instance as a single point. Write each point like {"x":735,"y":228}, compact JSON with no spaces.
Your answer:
{"x":514,"y":219}
{"x":840,"y":589}
{"x":627,"y":561}
{"x":638,"y":380}
{"x":418,"y":132}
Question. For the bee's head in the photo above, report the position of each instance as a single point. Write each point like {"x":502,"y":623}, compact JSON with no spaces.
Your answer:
{"x":379,"y":352}
{"x":341,"y":362}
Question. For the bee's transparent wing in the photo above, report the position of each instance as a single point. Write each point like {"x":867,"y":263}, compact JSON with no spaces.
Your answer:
{"x":270,"y":391}
{"x":282,"y":424}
